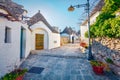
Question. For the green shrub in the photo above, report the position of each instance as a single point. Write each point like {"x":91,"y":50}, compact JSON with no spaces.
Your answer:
{"x":14,"y":74}
{"x":108,"y":60}
{"x":107,"y":24}
{"x":96,"y":63}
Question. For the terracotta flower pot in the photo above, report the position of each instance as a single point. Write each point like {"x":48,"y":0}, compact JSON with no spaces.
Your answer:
{"x":98,"y":69}
{"x":19,"y":77}
{"x":83,"y":44}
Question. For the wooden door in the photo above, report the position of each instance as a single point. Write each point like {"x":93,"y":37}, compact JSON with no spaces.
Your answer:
{"x":39,"y":41}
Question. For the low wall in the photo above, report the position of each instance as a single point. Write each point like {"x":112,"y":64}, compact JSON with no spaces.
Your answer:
{"x":107,"y":48}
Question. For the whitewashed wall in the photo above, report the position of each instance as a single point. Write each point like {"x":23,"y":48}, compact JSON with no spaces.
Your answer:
{"x":40,"y":31}
{"x":28,"y":41}
{"x":10,"y":52}
{"x":54,"y":40}
{"x":82,"y":32}
{"x":93,"y":17}
{"x":50,"y":37}
{"x":84,"y":28}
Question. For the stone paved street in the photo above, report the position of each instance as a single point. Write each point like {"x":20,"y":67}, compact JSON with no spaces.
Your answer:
{"x":64,"y":63}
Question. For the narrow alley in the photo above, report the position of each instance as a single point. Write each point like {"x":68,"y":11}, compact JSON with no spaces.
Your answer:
{"x":64,"y":63}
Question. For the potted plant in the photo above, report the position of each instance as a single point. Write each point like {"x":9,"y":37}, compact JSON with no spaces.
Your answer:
{"x":97,"y":66}
{"x":83,"y":44}
{"x":84,"y":47}
{"x":17,"y":74}
{"x":108,"y":60}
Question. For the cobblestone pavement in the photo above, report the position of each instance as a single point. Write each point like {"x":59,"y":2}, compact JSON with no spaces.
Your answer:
{"x":64,"y":63}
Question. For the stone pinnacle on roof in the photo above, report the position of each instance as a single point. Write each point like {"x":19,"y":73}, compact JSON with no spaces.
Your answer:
{"x":38,"y":11}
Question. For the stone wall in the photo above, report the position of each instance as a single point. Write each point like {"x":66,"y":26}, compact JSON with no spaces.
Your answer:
{"x":64,"y":40}
{"x":107,"y":48}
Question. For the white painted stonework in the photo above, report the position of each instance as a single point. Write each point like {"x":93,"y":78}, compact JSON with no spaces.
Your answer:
{"x":51,"y":40}
{"x":82,"y":32}
{"x":21,"y":41}
{"x":84,"y":27}
{"x":54,"y":41}
{"x":70,"y":36}
{"x":93,"y":17}
{"x":10,"y":52}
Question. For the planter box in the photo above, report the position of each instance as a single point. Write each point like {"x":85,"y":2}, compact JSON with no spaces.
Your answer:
{"x":98,"y":70}
{"x":20,"y":77}
{"x":16,"y":74}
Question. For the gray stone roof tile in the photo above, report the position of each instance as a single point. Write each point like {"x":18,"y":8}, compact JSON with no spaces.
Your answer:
{"x":39,"y":17}
{"x":68,"y":30}
{"x":15,"y":10}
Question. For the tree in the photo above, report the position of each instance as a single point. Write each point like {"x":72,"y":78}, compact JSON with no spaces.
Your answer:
{"x":107,"y":24}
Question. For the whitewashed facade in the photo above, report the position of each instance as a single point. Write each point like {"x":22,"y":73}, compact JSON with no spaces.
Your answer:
{"x":11,"y":52}
{"x":17,"y":38}
{"x":84,"y":27}
{"x":51,"y":40}
{"x":39,"y":26}
{"x":93,"y":16}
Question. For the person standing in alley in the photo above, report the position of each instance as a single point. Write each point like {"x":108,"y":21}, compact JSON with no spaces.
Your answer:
{"x":72,"y":39}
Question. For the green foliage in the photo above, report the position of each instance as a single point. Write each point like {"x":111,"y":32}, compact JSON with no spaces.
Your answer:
{"x":96,"y":63}
{"x":86,"y":34}
{"x":14,"y":74}
{"x":108,"y":60}
{"x":107,"y":25}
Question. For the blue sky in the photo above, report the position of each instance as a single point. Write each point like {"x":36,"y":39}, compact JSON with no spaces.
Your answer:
{"x":55,"y":11}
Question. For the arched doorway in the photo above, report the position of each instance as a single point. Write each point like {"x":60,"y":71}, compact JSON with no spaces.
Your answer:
{"x":39,"y":41}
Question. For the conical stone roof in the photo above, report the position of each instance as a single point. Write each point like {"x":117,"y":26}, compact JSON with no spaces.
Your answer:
{"x":15,"y":10}
{"x":39,"y":17}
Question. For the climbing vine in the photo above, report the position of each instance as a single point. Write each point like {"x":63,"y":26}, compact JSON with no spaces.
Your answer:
{"x":107,"y":23}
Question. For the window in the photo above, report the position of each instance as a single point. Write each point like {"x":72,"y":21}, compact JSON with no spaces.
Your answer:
{"x":7,"y":35}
